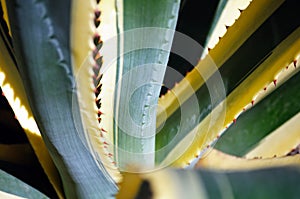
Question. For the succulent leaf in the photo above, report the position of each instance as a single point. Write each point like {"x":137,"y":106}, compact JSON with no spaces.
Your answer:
{"x":249,"y":20}
{"x":218,"y":160}
{"x":268,"y":183}
{"x":42,"y":49}
{"x":14,"y":91}
{"x":232,"y":72}
{"x":144,"y":46}
{"x":86,"y":49}
{"x":11,"y":187}
{"x":278,"y":143}
{"x":241,"y":98}
{"x":259,"y":122}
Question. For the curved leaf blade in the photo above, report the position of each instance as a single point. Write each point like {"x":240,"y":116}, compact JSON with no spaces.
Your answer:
{"x":42,"y":48}
{"x":145,"y":43}
{"x":262,"y":120}
{"x":13,"y":90}
{"x":268,"y":183}
{"x":12,"y":186}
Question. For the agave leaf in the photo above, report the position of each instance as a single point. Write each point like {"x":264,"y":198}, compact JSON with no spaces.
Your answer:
{"x":278,"y":143}
{"x":11,"y":186}
{"x":12,"y":87}
{"x":148,"y":185}
{"x":128,"y":64}
{"x":23,"y":172}
{"x":9,"y":196}
{"x":41,"y":39}
{"x":84,"y":31}
{"x":209,"y":97}
{"x":145,"y":43}
{"x":249,"y":20}
{"x":268,"y":183}
{"x":221,"y":161}
{"x":232,"y":74}
{"x":263,"y":119}
{"x":226,"y":14}
{"x":240,"y":99}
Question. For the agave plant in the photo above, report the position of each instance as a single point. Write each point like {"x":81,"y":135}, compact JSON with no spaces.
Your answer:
{"x":105,"y":116}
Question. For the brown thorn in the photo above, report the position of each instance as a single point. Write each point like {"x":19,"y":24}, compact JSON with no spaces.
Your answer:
{"x":96,"y":39}
{"x":99,"y":113}
{"x":98,"y":103}
{"x":109,"y":155}
{"x":99,"y":46}
{"x":103,"y":130}
{"x":97,"y":14}
{"x":99,"y":87}
{"x":295,"y":63}
{"x":100,"y":76}
{"x":96,"y":91}
{"x":96,"y":22}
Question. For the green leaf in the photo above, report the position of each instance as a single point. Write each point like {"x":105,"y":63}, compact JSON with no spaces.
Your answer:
{"x":236,"y":35}
{"x":278,"y":143}
{"x":95,"y":90}
{"x":218,"y":160}
{"x":271,"y":183}
{"x":145,"y":42}
{"x":13,"y":186}
{"x":41,"y":39}
{"x":250,"y":91}
{"x":123,"y":74}
{"x":13,"y":90}
{"x":226,"y":14}
{"x":233,"y":72}
{"x":263,"y":119}
{"x":25,"y":173}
